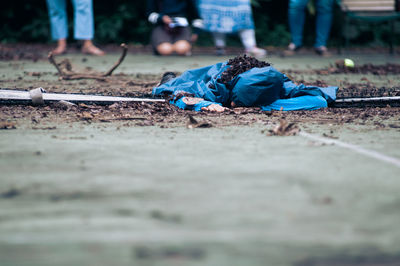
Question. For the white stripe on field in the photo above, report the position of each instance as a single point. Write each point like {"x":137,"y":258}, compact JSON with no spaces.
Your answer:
{"x":369,"y":153}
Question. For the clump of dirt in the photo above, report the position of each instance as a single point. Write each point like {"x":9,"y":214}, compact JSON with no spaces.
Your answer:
{"x":239,"y":65}
{"x":193,"y":123}
{"x":284,"y":128}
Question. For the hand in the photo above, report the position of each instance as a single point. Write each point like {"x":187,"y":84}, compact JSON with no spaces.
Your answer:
{"x":191,"y":100}
{"x":214,"y":108}
{"x":166,"y":19}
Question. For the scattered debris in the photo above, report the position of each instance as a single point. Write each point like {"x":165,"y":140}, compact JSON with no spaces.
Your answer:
{"x":329,"y":136}
{"x":86,"y":116}
{"x":34,"y":74}
{"x":66,"y":72}
{"x":11,"y":193}
{"x":160,"y":215}
{"x":65,"y":104}
{"x":165,"y":115}
{"x":284,"y":128}
{"x":169,"y":252}
{"x":193,"y":123}
{"x":44,"y":128}
{"x":7,"y":125}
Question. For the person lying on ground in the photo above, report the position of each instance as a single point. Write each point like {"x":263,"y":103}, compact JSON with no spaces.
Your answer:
{"x":241,"y":82}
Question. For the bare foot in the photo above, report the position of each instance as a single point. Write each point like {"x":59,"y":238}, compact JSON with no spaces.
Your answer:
{"x":90,"y":48}
{"x":61,"y":47}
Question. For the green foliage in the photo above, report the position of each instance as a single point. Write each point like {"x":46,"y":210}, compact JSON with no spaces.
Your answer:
{"x":25,"y":22}
{"x":125,"y":21}
{"x":371,"y":34}
{"x":270,"y":31}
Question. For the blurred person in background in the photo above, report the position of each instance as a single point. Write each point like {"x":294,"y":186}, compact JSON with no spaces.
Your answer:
{"x":83,"y":25}
{"x":223,"y":17}
{"x":172,"y":33}
{"x":323,"y":25}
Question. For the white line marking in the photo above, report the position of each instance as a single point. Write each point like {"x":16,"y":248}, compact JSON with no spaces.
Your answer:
{"x":371,"y":99}
{"x":369,"y":153}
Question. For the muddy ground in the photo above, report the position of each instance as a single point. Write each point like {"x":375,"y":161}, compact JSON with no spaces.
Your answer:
{"x":374,"y":80}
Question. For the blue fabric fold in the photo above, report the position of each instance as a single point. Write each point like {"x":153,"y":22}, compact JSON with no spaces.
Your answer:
{"x":306,"y":102}
{"x":265,"y":87}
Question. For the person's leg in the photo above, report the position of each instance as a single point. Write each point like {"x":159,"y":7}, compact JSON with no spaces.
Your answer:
{"x":83,"y":19}
{"x":59,"y":24}
{"x":219,"y":39}
{"x":84,"y":26}
{"x":220,"y":42}
{"x":164,"y":48}
{"x":248,"y":38}
{"x":324,"y":22}
{"x":161,"y":41}
{"x":296,"y":20}
{"x":181,"y":41}
{"x":182,"y":47}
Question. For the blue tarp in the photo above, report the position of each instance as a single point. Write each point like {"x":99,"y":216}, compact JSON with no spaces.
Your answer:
{"x":265,"y":87}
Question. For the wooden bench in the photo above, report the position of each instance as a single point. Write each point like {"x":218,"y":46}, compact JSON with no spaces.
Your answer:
{"x":370,"y":11}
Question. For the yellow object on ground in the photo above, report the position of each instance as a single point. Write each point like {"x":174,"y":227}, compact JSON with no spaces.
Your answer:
{"x":348,"y":63}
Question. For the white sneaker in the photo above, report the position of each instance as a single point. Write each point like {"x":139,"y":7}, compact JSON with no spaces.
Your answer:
{"x":256,"y":52}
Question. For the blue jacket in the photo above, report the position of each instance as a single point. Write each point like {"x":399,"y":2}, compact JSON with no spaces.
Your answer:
{"x":264,"y":87}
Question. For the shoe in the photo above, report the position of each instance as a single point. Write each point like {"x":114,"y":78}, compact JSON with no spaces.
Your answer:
{"x":167,"y":76}
{"x":256,"y":52}
{"x":220,"y":51}
{"x":322,"y":51}
{"x":92,"y":50}
{"x":292,"y":49}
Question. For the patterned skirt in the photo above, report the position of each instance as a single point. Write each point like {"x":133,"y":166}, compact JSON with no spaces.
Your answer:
{"x":226,"y":16}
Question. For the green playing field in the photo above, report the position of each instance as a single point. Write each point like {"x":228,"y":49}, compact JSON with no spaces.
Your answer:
{"x":106,"y":194}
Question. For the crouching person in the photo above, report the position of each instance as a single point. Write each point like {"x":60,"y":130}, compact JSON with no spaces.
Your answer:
{"x":172,"y":32}
{"x":224,"y":85}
